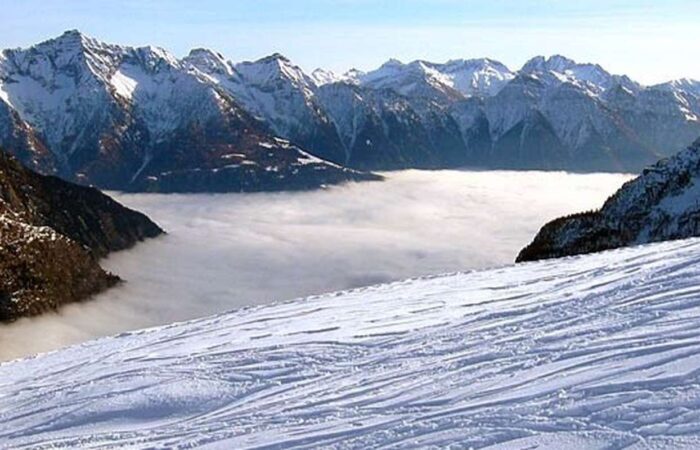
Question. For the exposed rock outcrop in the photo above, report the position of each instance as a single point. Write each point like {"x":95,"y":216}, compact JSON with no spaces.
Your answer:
{"x":663,"y":203}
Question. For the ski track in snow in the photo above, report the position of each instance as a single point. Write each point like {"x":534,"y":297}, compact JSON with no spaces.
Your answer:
{"x":599,"y":351}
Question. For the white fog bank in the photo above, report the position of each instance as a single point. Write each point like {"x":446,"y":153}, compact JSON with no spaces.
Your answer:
{"x":227,"y":251}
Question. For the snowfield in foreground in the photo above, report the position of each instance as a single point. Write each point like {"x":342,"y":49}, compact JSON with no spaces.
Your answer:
{"x":599,"y":351}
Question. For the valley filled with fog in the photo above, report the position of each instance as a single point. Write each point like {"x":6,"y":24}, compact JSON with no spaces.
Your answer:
{"x":227,"y":251}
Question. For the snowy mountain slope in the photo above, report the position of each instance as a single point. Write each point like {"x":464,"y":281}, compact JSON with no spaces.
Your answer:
{"x":559,"y":69}
{"x":322,"y":76}
{"x":61,"y":89}
{"x":476,"y":77}
{"x":138,"y":118}
{"x":553,"y":113}
{"x":279,"y":93}
{"x":473,"y":77}
{"x":600,"y":351}
{"x":662,"y":203}
{"x":584,"y":130}
{"x":418,"y":79}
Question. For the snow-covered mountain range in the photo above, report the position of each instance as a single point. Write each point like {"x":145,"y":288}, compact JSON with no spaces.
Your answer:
{"x":598,"y":351}
{"x":663,"y":203}
{"x":142,"y":119}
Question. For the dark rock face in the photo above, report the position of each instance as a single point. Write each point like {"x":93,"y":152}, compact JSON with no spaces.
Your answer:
{"x":270,"y":165}
{"x":17,"y":135}
{"x":51,"y":236}
{"x":380,"y":129}
{"x":231,"y":153}
{"x":663,"y":203}
{"x":41,"y":270}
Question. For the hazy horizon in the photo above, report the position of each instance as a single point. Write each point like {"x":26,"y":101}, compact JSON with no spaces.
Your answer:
{"x":642,"y":39}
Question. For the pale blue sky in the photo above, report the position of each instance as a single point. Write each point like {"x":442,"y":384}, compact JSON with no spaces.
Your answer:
{"x":651,"y":41}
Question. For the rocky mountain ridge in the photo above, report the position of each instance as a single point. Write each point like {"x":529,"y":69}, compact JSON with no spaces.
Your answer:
{"x":52,"y":234}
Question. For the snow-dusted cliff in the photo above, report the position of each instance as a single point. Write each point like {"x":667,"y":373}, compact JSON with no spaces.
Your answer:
{"x":599,"y":351}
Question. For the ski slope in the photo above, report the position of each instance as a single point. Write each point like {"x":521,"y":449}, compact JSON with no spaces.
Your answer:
{"x":598,"y":351}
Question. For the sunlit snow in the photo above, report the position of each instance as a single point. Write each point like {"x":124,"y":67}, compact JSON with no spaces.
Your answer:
{"x":599,"y":351}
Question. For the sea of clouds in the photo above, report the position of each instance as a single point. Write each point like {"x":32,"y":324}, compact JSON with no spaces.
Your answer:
{"x":227,"y":251}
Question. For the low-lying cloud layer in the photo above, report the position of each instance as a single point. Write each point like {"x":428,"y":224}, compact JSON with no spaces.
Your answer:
{"x":227,"y":251}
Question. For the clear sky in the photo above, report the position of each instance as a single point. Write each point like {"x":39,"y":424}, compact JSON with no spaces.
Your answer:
{"x":652,"y":41}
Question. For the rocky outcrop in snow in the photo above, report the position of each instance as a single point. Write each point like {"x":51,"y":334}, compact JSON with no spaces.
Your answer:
{"x":51,"y":236}
{"x":663,"y":203}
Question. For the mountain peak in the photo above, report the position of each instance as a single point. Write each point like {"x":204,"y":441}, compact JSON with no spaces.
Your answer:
{"x":274,"y":58}
{"x":560,"y":62}
{"x":558,"y":69}
{"x":208,"y":61}
{"x":557,"y":63}
{"x":205,"y":53}
{"x":72,"y":34}
{"x":152,"y":57}
{"x":323,"y":76}
{"x":73,"y":39}
{"x":70,"y":39}
{"x":682,"y":84}
{"x":538,"y":63}
{"x":474,"y":62}
{"x":392,"y":63}
{"x":72,"y":52}
{"x":271,"y":68}
{"x":354,"y":73}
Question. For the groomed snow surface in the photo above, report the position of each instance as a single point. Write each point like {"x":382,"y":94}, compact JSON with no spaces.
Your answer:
{"x":598,"y":351}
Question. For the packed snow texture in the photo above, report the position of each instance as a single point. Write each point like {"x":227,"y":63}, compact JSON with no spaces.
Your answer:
{"x":227,"y":251}
{"x":599,"y":351}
